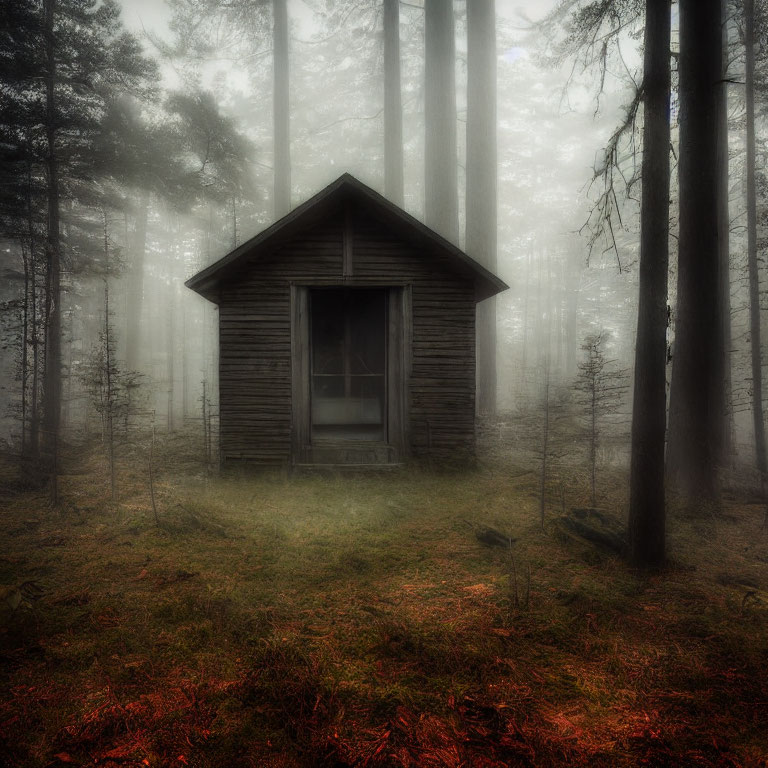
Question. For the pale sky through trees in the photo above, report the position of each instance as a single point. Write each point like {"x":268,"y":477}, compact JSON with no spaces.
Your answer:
{"x":550,"y":137}
{"x":154,"y":14}
{"x":524,"y":87}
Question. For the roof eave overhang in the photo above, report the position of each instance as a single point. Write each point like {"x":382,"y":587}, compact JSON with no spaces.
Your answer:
{"x":206,"y":282}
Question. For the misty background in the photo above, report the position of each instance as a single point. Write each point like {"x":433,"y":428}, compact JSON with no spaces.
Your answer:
{"x":180,"y":171}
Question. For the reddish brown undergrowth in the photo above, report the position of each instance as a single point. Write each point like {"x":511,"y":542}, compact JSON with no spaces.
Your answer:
{"x":356,"y":621}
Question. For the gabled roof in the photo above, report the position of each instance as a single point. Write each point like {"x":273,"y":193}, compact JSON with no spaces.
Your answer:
{"x":333,"y":197}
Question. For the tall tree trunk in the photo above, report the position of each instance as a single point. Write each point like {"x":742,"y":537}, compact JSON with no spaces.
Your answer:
{"x":24,"y":349}
{"x":593,"y":440}
{"x":695,"y":410}
{"x":393,"y":105}
{"x":572,"y":316}
{"x":184,"y":363}
{"x":134,"y":310}
{"x":545,"y":448}
{"x":29,"y":440}
{"x":441,"y":204}
{"x":110,"y":384}
{"x":725,"y":438}
{"x":524,"y":355}
{"x":34,"y":409}
{"x":281,"y":109}
{"x":754,"y":277}
{"x":52,"y":379}
{"x":481,"y":194}
{"x":170,"y":356}
{"x":539,"y":327}
{"x":234,"y":222}
{"x":646,"y":485}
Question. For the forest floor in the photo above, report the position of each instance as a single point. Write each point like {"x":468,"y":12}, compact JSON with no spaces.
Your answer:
{"x":357,"y":621}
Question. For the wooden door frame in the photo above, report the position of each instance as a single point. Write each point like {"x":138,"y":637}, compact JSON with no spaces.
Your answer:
{"x":398,"y":343}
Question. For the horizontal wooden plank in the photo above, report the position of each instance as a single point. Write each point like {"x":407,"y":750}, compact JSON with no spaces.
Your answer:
{"x":255,"y":339}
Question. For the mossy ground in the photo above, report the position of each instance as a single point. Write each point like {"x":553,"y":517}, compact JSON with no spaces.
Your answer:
{"x":356,"y":620}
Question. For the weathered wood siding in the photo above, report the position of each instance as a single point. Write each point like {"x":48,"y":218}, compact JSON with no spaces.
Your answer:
{"x":255,"y":338}
{"x":442,"y":376}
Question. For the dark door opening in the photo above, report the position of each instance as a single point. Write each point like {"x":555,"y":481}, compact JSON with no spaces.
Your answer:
{"x":348,"y":364}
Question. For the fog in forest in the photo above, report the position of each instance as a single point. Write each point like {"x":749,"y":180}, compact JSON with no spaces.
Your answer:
{"x":214,"y":84}
{"x":170,"y":162}
{"x":381,"y":382}
{"x":182,"y":171}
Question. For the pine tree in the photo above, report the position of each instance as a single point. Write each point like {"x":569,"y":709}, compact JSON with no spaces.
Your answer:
{"x":752,"y":258}
{"x":84,"y":57}
{"x":602,"y":387}
{"x":248,"y":23}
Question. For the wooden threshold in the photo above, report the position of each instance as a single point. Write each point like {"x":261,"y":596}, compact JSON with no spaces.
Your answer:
{"x":347,"y":468}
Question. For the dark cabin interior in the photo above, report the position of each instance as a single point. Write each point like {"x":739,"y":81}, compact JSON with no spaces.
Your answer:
{"x":348,"y":360}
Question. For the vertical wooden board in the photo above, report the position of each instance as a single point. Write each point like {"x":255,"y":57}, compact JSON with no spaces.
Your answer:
{"x":395,"y":370}
{"x":347,"y":247}
{"x":300,"y":405}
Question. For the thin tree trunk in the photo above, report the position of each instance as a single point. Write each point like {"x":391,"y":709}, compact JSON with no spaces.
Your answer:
{"x":559,"y":309}
{"x":545,"y":449}
{"x":695,"y":410}
{"x":184,"y":363}
{"x":539,"y":330}
{"x":646,"y":486}
{"x":281,"y":107}
{"x":393,"y":105}
{"x":204,"y":416}
{"x":754,"y":277}
{"x":524,"y":356}
{"x":572,"y":318}
{"x":110,"y":401}
{"x":134,"y":310}
{"x":24,"y":350}
{"x":52,"y":380}
{"x":481,"y":194}
{"x":234,"y":222}
{"x":29,"y":437}
{"x":151,"y":476}
{"x":441,"y":205}
{"x":593,"y":441}
{"x":66,"y":405}
{"x":34,"y":416}
{"x":171,"y":348}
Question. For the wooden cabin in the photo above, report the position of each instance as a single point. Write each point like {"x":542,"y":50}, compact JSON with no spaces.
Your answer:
{"x":347,"y":336}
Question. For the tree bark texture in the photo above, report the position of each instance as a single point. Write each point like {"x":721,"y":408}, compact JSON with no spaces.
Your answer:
{"x":754,"y":276}
{"x":481,"y":197}
{"x":725,"y":436}
{"x":52,"y":376}
{"x":281,"y":108}
{"x":646,"y":502}
{"x":24,"y":348}
{"x":393,"y":105}
{"x":441,"y":206}
{"x":695,"y":410}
